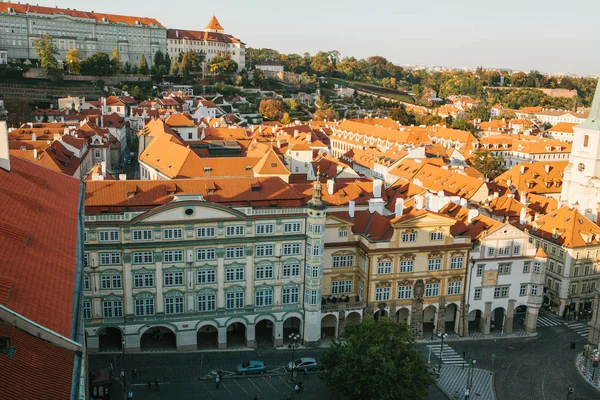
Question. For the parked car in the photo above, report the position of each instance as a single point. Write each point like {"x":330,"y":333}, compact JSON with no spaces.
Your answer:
{"x":300,"y":364}
{"x":251,"y":367}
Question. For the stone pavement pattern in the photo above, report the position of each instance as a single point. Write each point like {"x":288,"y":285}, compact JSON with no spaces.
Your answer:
{"x":454,"y":379}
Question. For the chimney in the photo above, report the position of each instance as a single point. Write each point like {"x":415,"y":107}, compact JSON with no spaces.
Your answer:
{"x":376,"y":205}
{"x":377,"y":188}
{"x":103,"y":166}
{"x":473,"y":213}
{"x":399,"y":207}
{"x":122,"y":177}
{"x":508,"y":182}
{"x":522,"y":216}
{"x":4,"y":153}
{"x":33,"y":137}
{"x":547,"y":168}
{"x":463,"y":202}
{"x":523,"y":198}
{"x":330,"y":186}
{"x":522,"y":169}
{"x":35,"y":154}
{"x":296,"y":133}
{"x":351,"y":208}
{"x":418,"y":200}
{"x":496,"y":194}
{"x":308,"y":138}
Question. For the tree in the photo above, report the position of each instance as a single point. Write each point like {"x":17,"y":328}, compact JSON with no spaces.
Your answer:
{"x":286,"y":120}
{"x":174,"y":68}
{"x":143,"y":66}
{"x":400,"y":115}
{"x":271,"y":109}
{"x":138,"y":93}
{"x":115,"y":60}
{"x":463,"y":124}
{"x":480,"y":112}
{"x":222,"y":64}
{"x":323,"y":114}
{"x":73,"y":61}
{"x":377,"y":360}
{"x":487,"y":163}
{"x":46,"y":51}
{"x":191,"y":62}
{"x":292,"y":105}
{"x":98,"y":64}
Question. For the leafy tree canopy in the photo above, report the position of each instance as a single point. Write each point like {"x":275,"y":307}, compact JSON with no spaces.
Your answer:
{"x":487,"y":163}
{"x":323,"y":114}
{"x":98,"y":64}
{"x":271,"y":109}
{"x":46,"y":51}
{"x":143,"y":66}
{"x":222,"y":64}
{"x":73,"y":61}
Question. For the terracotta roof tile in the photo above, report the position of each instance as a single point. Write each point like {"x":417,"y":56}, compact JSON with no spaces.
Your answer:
{"x":568,"y":227}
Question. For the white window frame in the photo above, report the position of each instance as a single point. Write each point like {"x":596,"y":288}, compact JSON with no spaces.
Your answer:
{"x":142,"y":235}
{"x":292,"y":227}
{"x":432,"y":290}
{"x":113,"y":235}
{"x":263,"y":297}
{"x":235,"y":230}
{"x":206,"y":232}
{"x":206,"y":276}
{"x":143,"y":257}
{"x":264,"y":229}
{"x":143,"y":279}
{"x":457,"y":262}
{"x":291,"y":269}
{"x":290,"y":295}
{"x":384,"y":267}
{"x":434,"y":264}
{"x":172,"y":256}
{"x":404,"y":292}
{"x":292,"y":249}
{"x":341,"y":287}
{"x":172,"y":233}
{"x":234,"y":274}
{"x":454,"y":287}
{"x":263,"y":272}
{"x":173,"y":278}
{"x":343,"y":261}
{"x":382,"y":294}
{"x":234,"y":252}
{"x":264,"y":250}
{"x":206,"y":254}
{"x":174,"y":305}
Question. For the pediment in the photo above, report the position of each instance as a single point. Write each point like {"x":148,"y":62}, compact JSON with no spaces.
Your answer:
{"x":505,"y":231}
{"x":186,"y":212}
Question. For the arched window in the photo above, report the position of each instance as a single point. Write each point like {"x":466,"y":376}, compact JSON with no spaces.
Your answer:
{"x":586,"y":140}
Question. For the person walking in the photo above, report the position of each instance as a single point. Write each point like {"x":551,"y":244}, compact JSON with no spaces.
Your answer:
{"x":149,"y":384}
{"x":130,"y":394}
{"x":218,"y":381}
{"x":305,"y":373}
{"x":122,"y":375}
{"x":157,"y":385}
{"x":134,"y":373}
{"x":110,"y":368}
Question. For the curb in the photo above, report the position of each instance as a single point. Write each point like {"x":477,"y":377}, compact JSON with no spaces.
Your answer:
{"x":238,"y":376}
{"x":532,"y":335}
{"x":583,"y":376}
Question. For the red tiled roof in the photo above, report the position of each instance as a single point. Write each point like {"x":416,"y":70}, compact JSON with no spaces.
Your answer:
{"x":38,"y":241}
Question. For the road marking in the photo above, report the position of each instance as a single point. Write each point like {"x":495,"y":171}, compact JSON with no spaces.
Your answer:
{"x":277,"y":391}
{"x":255,"y":385}
{"x":226,"y":388}
{"x":287,"y":384}
{"x":235,"y":380}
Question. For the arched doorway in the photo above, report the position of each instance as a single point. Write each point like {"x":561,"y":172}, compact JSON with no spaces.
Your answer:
{"x":520,"y":317}
{"x":451,"y":318}
{"x":329,"y":326}
{"x":207,"y":337}
{"x":382,"y":312}
{"x":264,"y":333}
{"x":353,"y":318}
{"x":291,"y":325}
{"x":497,"y":320}
{"x":475,"y":321}
{"x":236,"y":335}
{"x":158,"y":338}
{"x":110,"y":339}
{"x":429,"y":316}
{"x":402,"y":315}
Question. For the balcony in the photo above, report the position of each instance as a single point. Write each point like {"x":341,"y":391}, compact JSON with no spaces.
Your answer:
{"x":352,"y":304}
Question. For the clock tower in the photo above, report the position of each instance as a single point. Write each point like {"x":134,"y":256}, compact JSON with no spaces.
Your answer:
{"x":581,"y":181}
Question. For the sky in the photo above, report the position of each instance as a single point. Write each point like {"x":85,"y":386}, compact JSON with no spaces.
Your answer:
{"x":552,"y":36}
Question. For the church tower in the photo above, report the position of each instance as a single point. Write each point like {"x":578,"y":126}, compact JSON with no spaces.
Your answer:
{"x":581,"y":180}
{"x":315,"y":247}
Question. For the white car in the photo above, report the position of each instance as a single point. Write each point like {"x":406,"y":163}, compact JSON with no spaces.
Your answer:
{"x":300,"y":364}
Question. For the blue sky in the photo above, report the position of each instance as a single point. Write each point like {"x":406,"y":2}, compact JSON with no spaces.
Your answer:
{"x":547,"y":35}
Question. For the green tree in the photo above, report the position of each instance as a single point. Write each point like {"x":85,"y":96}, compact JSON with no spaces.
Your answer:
{"x":46,"y":51}
{"x":191,"y":63}
{"x":480,"y":112}
{"x":258,"y":77}
{"x":487,"y":163}
{"x":159,"y":58}
{"x":73,"y":61}
{"x":292,"y":105}
{"x":519,"y":79}
{"x":377,"y":360}
{"x":463,"y":124}
{"x":400,"y":115}
{"x":143,"y":66}
{"x":271,"y":109}
{"x":222,"y":64}
{"x":127,"y":67}
{"x":115,"y":60}
{"x":98,"y":64}
{"x":138,"y":93}
{"x":174,"y":68}
{"x":286,"y":120}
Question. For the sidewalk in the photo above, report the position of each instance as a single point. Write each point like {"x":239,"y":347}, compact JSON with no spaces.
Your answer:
{"x":584,"y":367}
{"x":454,"y":379}
{"x":453,"y":337}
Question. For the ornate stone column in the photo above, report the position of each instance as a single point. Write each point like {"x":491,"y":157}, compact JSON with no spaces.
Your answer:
{"x":341,"y":320}
{"x":416,"y":320}
{"x":441,"y":317}
{"x":509,"y":317}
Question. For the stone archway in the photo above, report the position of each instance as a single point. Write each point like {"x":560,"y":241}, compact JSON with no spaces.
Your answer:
{"x":353,"y":318}
{"x":451,"y":324}
{"x":382,"y":312}
{"x":497,"y":321}
{"x":236,"y":335}
{"x":207,"y":337}
{"x":291,"y":325}
{"x":429,"y":319}
{"x":264,"y":333}
{"x":403,"y":316}
{"x":329,"y":326}
{"x":475,"y":321}
{"x":110,"y":339}
{"x":520,"y":318}
{"x":158,"y":338}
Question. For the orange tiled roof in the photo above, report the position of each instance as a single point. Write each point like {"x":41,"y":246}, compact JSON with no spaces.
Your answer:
{"x":563,"y":127}
{"x":214,"y":24}
{"x":533,"y":178}
{"x":479,"y":226}
{"x":568,"y":227}
{"x":179,"y":119}
{"x":344,"y":190}
{"x":372,"y":226}
{"x":270,"y":164}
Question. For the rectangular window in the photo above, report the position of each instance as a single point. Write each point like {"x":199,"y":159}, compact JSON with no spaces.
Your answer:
{"x":435,"y":236}
{"x":206,"y":232}
{"x":557,"y":286}
{"x":454,"y":287}
{"x":234,"y":230}
{"x":265,"y":250}
{"x":516,"y":249}
{"x":206,"y":276}
{"x":409,"y":237}
{"x":575,"y":271}
{"x":551,"y":266}
{"x":143,"y":257}
{"x":343,"y":261}
{"x":86,"y":282}
{"x":292,"y":227}
{"x":313,"y":271}
{"x":404,"y":292}
{"x":264,"y":272}
{"x":206,"y":254}
{"x":480,"y":268}
{"x":290,"y":296}
{"x":504,"y":269}
{"x":207,"y":302}
{"x":291,"y":249}
{"x":559,"y":269}
{"x":234,"y":274}
{"x":432,"y":289}
{"x":86,"y":259}
{"x":382,"y":294}
{"x":291,"y":269}
{"x":456,"y":262}
{"x":264,"y":229}
{"x":112,"y":308}
{"x":526,"y":267}
{"x":111,"y":282}
{"x":523,"y":289}
{"x":144,"y":307}
{"x":501,"y":291}
{"x":143,"y":280}
{"x":174,"y":305}
{"x":142,"y":235}
{"x":537,"y":266}
{"x":109,"y":236}
{"x":87,"y":310}
{"x":384,"y":267}
{"x":234,"y":252}
{"x":491,"y":251}
{"x":504,"y":251}
{"x":173,"y":278}
{"x":173,"y":256}
{"x":339,"y":287}
{"x":573,"y":288}
{"x":534,"y":290}
{"x":234,"y":300}
{"x":343,"y":233}
{"x":263,"y":298}
{"x":477,"y":295}
{"x":434,"y":264}
{"x":407,"y":265}
{"x":172,"y":233}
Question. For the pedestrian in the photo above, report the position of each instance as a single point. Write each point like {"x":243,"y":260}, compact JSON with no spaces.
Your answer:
{"x":110,"y":368}
{"x":122,"y":375}
{"x":218,"y":381}
{"x":305,"y":373}
{"x":134,"y":373}
{"x":130,"y":394}
{"x":149,"y":384}
{"x":156,"y":385}
{"x":467,"y":393}
{"x":456,"y":395}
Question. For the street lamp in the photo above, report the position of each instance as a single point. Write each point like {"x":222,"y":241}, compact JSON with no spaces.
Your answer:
{"x":124,"y":368}
{"x":442,"y":336}
{"x":472,"y":367}
{"x":295,"y":338}
{"x":569,"y":392}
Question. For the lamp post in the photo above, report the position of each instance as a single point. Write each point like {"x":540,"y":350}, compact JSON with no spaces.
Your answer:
{"x":124,"y":367}
{"x":569,"y":392}
{"x":295,"y":338}
{"x":472,"y":368}
{"x":442,"y":336}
